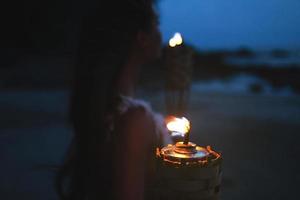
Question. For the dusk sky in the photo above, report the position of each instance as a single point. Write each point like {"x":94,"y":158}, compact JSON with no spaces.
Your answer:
{"x":229,"y":24}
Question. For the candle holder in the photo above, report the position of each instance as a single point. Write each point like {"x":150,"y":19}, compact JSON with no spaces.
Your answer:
{"x":188,"y":172}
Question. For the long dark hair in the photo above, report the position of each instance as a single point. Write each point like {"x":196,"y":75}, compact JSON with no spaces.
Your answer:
{"x":107,"y":33}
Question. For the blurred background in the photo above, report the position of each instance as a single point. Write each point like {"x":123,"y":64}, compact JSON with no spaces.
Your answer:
{"x":243,"y":91}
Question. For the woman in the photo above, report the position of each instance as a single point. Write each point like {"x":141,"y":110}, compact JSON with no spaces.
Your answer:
{"x":114,"y":136}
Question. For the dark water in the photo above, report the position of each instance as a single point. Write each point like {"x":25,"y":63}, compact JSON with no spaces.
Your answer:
{"x":34,"y":135}
{"x":292,"y":58}
{"x":241,"y":84}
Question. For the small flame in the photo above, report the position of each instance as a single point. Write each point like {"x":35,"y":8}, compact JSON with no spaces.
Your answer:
{"x":179,"y":125}
{"x":176,"y":40}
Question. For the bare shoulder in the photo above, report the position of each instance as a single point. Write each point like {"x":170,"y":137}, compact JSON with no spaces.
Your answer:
{"x":133,"y":111}
{"x":137,"y":118}
{"x":137,"y":128}
{"x":137,"y":112}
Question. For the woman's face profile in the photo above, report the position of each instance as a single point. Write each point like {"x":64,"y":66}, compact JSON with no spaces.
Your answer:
{"x":156,"y":40}
{"x":150,"y":42}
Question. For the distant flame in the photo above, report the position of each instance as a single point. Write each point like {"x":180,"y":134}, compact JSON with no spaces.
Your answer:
{"x":179,"y":125}
{"x":176,"y":40}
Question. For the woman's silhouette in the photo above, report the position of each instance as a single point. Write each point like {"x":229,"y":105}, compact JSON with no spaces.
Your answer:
{"x":114,"y":135}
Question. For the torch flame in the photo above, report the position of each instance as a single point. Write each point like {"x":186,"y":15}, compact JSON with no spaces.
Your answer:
{"x":176,"y":40}
{"x":179,"y":125}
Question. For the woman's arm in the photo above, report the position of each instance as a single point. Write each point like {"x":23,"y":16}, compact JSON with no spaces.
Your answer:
{"x":136,"y":136}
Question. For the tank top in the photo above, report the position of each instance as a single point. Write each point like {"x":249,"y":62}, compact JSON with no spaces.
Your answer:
{"x":125,"y":104}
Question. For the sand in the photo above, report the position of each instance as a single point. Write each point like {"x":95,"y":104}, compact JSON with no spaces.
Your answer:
{"x":257,"y":135}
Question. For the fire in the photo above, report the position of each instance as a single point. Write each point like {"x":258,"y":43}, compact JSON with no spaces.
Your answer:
{"x":178,"y":125}
{"x":176,"y":40}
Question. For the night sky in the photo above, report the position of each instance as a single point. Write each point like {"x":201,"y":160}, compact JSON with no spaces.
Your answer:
{"x":219,"y":24}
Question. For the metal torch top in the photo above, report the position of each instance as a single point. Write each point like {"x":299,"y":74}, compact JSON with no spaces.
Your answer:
{"x":188,"y":155}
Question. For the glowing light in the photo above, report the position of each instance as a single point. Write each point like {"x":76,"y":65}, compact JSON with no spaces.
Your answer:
{"x":172,"y":42}
{"x":176,"y":40}
{"x":179,"y":125}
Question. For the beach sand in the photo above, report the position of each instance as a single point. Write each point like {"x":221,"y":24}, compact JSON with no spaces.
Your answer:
{"x":258,"y":137}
